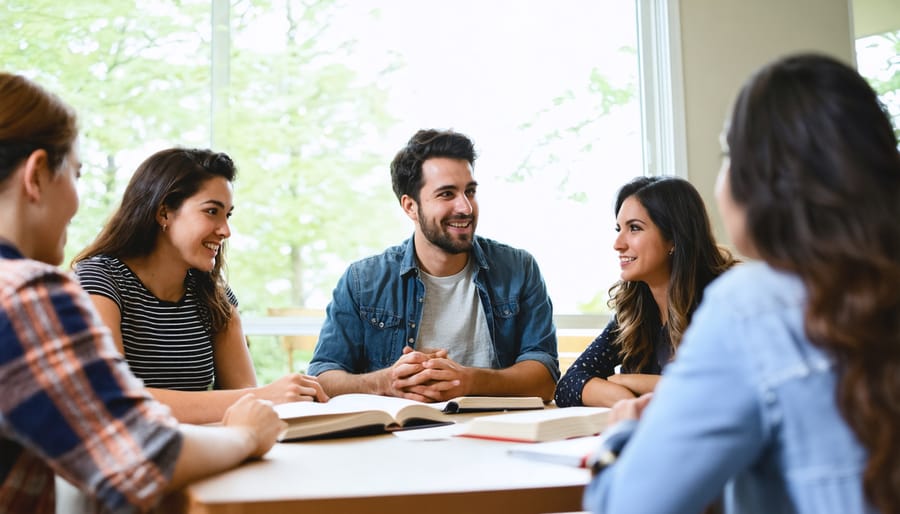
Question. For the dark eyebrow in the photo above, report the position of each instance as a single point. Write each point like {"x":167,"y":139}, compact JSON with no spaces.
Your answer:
{"x":448,"y":187}
{"x":218,"y":204}
{"x":635,"y":220}
{"x":451,"y":187}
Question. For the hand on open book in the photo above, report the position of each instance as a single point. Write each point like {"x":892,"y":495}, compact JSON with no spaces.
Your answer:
{"x":258,"y":420}
{"x":292,"y":388}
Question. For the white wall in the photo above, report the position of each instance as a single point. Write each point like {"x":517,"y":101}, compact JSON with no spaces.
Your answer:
{"x":875,"y":16}
{"x":723,"y":42}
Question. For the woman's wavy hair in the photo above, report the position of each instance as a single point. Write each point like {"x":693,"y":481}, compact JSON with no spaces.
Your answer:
{"x":675,"y":206}
{"x":167,"y":178}
{"x":32,"y":118}
{"x":815,"y":165}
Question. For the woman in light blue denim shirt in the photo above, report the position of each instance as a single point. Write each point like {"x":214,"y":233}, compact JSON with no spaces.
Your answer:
{"x":785,"y":395}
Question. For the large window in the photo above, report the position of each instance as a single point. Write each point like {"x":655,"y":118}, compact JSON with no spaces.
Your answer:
{"x":547,"y":90}
{"x":313,"y":98}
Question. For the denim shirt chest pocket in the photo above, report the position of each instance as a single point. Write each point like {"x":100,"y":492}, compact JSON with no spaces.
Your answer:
{"x":507,"y":309}
{"x":383,"y":331}
{"x":502,"y":323}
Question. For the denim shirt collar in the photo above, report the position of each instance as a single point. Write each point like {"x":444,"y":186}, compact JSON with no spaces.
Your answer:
{"x":409,"y":262}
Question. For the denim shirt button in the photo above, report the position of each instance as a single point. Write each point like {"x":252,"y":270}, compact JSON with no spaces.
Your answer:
{"x":374,"y":320}
{"x":506,"y":312}
{"x":412,"y":325}
{"x":421,"y":300}
{"x":411,"y":340}
{"x":381,"y":325}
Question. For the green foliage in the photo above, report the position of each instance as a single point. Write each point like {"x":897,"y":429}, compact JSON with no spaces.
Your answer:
{"x":114,"y":63}
{"x":554,"y":150}
{"x":597,"y":304}
{"x":297,"y":135}
{"x":138,"y":73}
{"x":270,"y":359}
{"x":888,"y":84}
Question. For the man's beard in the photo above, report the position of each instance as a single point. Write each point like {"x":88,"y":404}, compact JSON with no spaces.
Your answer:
{"x":438,"y":237}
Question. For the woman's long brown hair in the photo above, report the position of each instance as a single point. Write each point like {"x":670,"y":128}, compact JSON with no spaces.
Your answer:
{"x":167,"y":178}
{"x":815,"y":164}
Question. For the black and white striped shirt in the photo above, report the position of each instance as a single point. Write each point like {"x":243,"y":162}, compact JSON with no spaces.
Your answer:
{"x":167,"y":344}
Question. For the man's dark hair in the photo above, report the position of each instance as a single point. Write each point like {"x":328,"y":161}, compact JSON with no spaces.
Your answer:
{"x":406,"y":168}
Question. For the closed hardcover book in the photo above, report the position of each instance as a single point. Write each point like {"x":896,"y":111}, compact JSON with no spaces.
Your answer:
{"x":490,"y":403}
{"x":537,"y":426}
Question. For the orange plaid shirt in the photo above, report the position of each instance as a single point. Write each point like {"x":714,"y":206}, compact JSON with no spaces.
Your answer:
{"x":69,"y":403}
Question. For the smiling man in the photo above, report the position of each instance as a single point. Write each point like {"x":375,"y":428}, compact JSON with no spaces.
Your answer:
{"x":445,"y":313}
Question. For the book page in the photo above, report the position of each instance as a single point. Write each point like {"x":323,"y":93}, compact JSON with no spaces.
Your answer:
{"x":355,"y":414}
{"x":358,"y":402}
{"x":331,"y":425}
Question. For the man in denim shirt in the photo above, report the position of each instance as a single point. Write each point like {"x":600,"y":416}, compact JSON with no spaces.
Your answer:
{"x":446,"y":313}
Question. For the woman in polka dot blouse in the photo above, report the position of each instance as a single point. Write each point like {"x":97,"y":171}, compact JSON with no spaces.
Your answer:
{"x":668,"y":255}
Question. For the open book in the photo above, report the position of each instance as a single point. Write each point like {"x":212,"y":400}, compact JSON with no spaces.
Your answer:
{"x":356,"y":414}
{"x":543,"y":425}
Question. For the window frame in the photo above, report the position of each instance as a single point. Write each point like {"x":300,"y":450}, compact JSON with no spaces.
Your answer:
{"x":662,"y":88}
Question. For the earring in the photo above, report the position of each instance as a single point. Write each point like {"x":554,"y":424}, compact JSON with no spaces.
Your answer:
{"x":165,"y":227}
{"x":672,"y":251}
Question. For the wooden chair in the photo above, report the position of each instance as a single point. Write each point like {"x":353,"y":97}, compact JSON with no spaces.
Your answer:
{"x":293,"y":343}
{"x":570,"y":346}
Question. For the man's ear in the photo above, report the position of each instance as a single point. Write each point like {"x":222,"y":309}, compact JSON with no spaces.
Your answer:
{"x":410,"y":207}
{"x":36,"y":175}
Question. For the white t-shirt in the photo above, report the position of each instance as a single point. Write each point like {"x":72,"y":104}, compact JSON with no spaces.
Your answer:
{"x":453,"y":319}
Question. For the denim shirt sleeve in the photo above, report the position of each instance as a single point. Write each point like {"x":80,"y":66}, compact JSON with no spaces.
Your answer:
{"x":599,"y":359}
{"x":341,"y":336}
{"x":704,"y":424}
{"x":523,"y":328}
{"x":366,"y":323}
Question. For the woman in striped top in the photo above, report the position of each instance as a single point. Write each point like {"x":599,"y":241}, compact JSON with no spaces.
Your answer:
{"x":155,"y":273}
